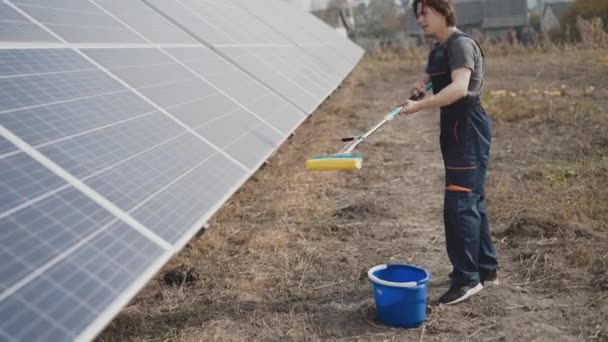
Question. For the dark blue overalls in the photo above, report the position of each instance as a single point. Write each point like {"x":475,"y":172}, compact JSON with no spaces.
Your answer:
{"x":465,"y":146}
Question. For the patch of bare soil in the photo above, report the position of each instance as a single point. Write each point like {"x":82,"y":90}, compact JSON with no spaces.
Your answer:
{"x":286,"y":258}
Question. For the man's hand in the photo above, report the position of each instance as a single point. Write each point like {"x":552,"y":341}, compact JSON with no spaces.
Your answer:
{"x":419,"y":87}
{"x":410,"y":107}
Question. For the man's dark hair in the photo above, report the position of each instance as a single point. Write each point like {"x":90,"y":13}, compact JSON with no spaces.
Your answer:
{"x":443,"y":7}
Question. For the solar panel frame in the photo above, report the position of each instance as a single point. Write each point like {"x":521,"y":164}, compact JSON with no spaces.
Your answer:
{"x":283,"y":79}
{"x":277,"y":16}
{"x":223,"y":168}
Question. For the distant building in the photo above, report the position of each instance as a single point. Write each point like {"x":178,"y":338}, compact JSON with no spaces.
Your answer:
{"x":552,"y":13}
{"x":494,"y":18}
{"x":469,"y":15}
{"x":500,"y":16}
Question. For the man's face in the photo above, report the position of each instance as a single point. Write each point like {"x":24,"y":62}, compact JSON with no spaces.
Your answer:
{"x":429,"y":20}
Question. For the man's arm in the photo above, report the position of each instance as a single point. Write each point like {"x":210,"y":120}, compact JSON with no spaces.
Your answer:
{"x":448,"y":95}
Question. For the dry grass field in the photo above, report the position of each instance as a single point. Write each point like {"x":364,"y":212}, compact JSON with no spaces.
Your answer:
{"x":286,"y":258}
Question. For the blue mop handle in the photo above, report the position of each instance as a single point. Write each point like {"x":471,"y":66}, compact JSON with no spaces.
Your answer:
{"x":388,"y":117}
{"x":414,"y":97}
{"x":393,"y":113}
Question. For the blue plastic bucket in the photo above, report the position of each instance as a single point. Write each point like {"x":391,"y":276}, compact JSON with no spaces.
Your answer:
{"x":400,"y":294}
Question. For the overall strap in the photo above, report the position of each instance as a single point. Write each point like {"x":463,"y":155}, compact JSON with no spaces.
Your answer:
{"x":457,"y":35}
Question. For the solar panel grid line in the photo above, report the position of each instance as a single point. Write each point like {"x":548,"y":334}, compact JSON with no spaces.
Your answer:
{"x":170,"y":184}
{"x":299,"y":44}
{"x":83,"y":46}
{"x":66,"y":9}
{"x":81,"y":261}
{"x":238,"y":86}
{"x":91,"y":26}
{"x":88,"y":27}
{"x":290,"y":44}
{"x":200,"y":223}
{"x":72,"y":100}
{"x":198,"y":79}
{"x":329,"y":80}
{"x":35,"y":200}
{"x":131,"y":88}
{"x":177,"y":191}
{"x":308,"y":73}
{"x":161,"y":84}
{"x":327,"y":68}
{"x":78,"y":184}
{"x":316,"y":26}
{"x":44,"y":316}
{"x":251,"y":45}
{"x":143,"y":65}
{"x":45,"y":73}
{"x":272,"y":74}
{"x":231,"y":60}
{"x":15,"y":27}
{"x":86,"y":132}
{"x":187,"y":102}
{"x":87,"y":177}
{"x":19,"y":93}
{"x":297,"y":19}
{"x":179,"y":122}
{"x":229,"y":18}
{"x":106,"y":316}
{"x":221,"y":91}
{"x":39,"y":271}
{"x":9,"y":154}
{"x":281,"y":73}
{"x":143,"y":20}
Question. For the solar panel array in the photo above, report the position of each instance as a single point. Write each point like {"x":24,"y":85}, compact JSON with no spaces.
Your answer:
{"x":124,"y":125}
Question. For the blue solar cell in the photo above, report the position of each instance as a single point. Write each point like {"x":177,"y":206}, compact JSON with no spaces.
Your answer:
{"x":22,"y":179}
{"x":234,"y":22}
{"x":8,"y":14}
{"x":254,"y":147}
{"x":166,"y":144}
{"x":86,"y":154}
{"x":6,"y":147}
{"x":75,"y":291}
{"x":18,"y":92}
{"x":191,"y":99}
{"x":237,"y":131}
{"x":199,"y":23}
{"x":78,"y":21}
{"x":76,"y":6}
{"x":147,"y":22}
{"x":261,"y":100}
{"x":277,"y":79}
{"x":178,"y":208}
{"x":52,"y":123}
{"x":23,"y":32}
{"x":38,"y":61}
{"x":131,"y":183}
{"x":14,"y":27}
{"x":34,"y":235}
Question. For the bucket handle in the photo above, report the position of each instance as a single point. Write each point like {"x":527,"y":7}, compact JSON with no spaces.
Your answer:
{"x":373,"y":278}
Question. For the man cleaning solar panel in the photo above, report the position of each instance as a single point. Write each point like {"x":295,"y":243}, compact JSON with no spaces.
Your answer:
{"x":456,"y":70}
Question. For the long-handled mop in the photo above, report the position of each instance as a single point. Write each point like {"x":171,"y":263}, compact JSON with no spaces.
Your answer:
{"x":345,"y":160}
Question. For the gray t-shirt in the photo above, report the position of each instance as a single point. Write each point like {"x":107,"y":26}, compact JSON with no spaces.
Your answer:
{"x":463,"y":52}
